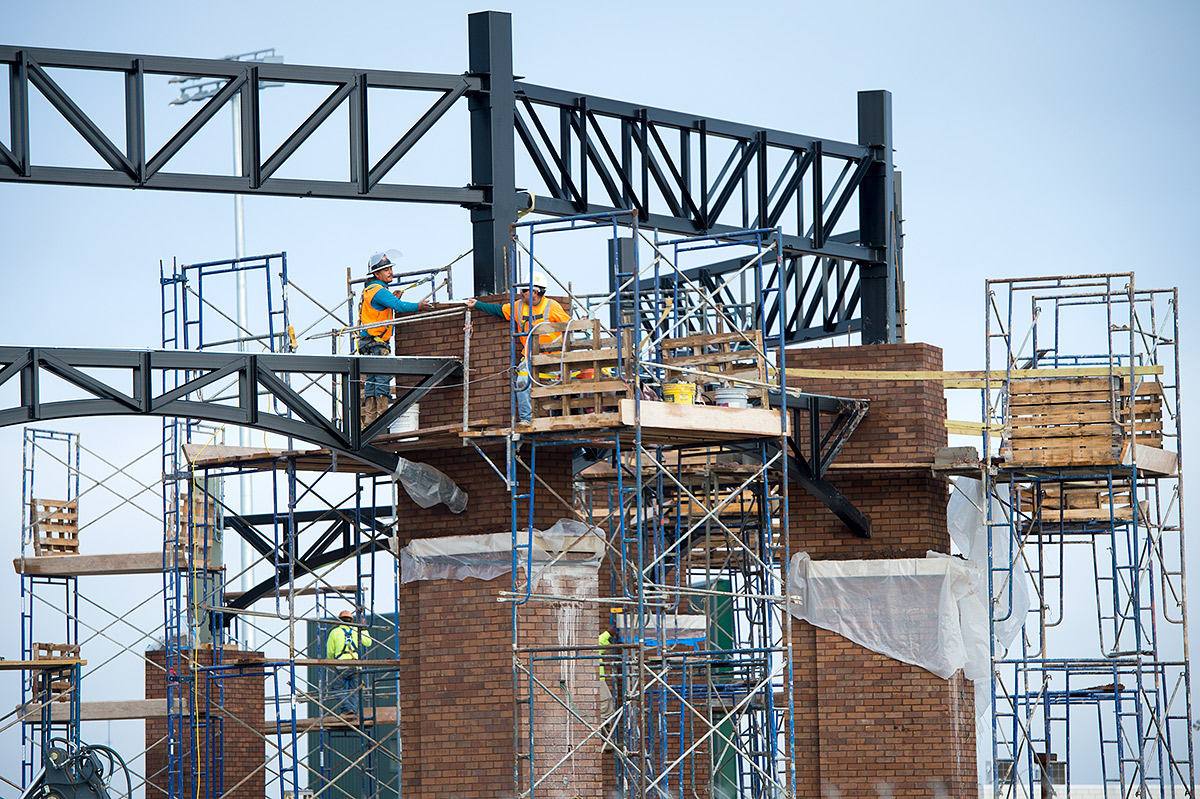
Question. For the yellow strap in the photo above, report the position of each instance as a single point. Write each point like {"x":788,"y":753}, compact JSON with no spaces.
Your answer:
{"x":970,"y":428}
{"x":968,"y":379}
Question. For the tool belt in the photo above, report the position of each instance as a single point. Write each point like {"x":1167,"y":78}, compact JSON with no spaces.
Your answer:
{"x":373,"y":346}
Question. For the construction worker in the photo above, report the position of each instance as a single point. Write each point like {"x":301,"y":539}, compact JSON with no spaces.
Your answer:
{"x":346,"y":642}
{"x":380,"y":305}
{"x":608,"y":704}
{"x":533,"y":308}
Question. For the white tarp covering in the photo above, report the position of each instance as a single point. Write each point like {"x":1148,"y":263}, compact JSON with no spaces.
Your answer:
{"x":925,"y":612}
{"x":965,"y":516}
{"x":488,"y":556}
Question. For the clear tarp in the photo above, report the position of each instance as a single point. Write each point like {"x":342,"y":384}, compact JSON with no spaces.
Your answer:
{"x":925,"y":612}
{"x":490,"y":555}
{"x":966,"y":518}
{"x":427,"y":486}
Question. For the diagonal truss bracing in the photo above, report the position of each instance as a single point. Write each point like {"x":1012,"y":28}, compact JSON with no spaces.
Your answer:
{"x":139,"y":390}
{"x":133,"y":165}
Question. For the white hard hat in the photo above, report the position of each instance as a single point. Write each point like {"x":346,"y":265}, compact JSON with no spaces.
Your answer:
{"x":382,"y":260}
{"x":540,"y":282}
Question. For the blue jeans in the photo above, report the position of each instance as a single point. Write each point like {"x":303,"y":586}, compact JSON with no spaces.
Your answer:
{"x":375,"y":385}
{"x":343,"y":691}
{"x":523,"y":387}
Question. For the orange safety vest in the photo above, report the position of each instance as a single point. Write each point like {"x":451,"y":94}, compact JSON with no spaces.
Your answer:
{"x":528,"y":318}
{"x":368,"y":314}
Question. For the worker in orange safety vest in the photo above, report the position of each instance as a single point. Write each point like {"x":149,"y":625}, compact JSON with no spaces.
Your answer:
{"x":379,"y":305}
{"x":533,"y":308}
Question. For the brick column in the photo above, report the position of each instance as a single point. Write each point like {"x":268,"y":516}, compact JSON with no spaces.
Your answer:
{"x":569,"y":687}
{"x":867,"y":725}
{"x":236,"y":711}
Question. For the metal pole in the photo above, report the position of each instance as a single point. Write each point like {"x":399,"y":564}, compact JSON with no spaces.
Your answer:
{"x":493,"y":160}
{"x":245,"y":581}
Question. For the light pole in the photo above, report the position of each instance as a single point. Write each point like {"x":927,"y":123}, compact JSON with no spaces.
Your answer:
{"x":194,"y":90}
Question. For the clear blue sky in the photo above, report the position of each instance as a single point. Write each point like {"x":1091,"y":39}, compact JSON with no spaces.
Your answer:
{"x":1034,"y":138}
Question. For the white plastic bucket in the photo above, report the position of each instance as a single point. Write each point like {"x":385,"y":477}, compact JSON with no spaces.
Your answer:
{"x":407,"y":421}
{"x":731,"y":397}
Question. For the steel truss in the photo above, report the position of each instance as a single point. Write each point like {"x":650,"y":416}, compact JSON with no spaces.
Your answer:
{"x":268,"y":392}
{"x":1068,"y":706}
{"x":681,"y":173}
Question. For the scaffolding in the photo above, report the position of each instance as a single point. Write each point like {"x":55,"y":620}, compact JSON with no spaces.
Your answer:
{"x":49,"y":526}
{"x":318,"y":751}
{"x":695,"y":525}
{"x":1084,"y":455}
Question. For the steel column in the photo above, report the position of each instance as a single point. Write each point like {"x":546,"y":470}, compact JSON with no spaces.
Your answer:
{"x":876,"y":206}
{"x":493,"y":165}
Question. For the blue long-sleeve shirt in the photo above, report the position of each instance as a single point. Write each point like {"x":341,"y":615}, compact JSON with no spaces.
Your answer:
{"x":385,"y":299}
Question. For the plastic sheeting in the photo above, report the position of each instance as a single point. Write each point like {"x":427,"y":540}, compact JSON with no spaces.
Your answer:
{"x":967,"y":521}
{"x":488,"y":556}
{"x":427,"y":486}
{"x":925,"y":612}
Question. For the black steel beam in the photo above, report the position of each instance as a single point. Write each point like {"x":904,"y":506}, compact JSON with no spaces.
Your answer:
{"x":130,"y":391}
{"x":855,"y":520}
{"x":877,"y":220}
{"x":640,"y":159}
{"x":493,"y":164}
{"x":288,"y":572}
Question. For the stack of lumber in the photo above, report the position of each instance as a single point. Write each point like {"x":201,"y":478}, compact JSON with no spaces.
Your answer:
{"x":60,"y":688}
{"x":199,"y":524}
{"x":1081,"y":421}
{"x":1077,"y":502}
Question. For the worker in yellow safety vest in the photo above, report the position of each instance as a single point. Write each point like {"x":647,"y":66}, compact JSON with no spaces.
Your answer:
{"x":533,"y":308}
{"x":378,"y":305}
{"x":347,"y":642}
{"x":607,"y":703}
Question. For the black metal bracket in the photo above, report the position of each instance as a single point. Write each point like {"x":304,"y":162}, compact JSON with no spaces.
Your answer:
{"x":132,"y":382}
{"x":820,"y":427}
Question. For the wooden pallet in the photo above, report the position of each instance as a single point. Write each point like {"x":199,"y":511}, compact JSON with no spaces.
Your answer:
{"x":1080,"y":421}
{"x":60,"y":689}
{"x":578,"y":373}
{"x":1077,"y":502}
{"x":55,"y":526}
{"x":205,"y":530}
{"x":722,"y":356}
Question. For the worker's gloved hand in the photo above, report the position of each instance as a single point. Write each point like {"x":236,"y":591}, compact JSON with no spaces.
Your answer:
{"x":469,"y":302}
{"x":424,"y":305}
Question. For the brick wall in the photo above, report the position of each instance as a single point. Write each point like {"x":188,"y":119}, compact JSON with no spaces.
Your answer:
{"x":456,"y":683}
{"x":567,"y":759}
{"x":867,"y":725}
{"x":235,"y":709}
{"x":488,"y":367}
{"x":888,"y":729}
{"x":487,"y":497}
{"x":457,"y":698}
